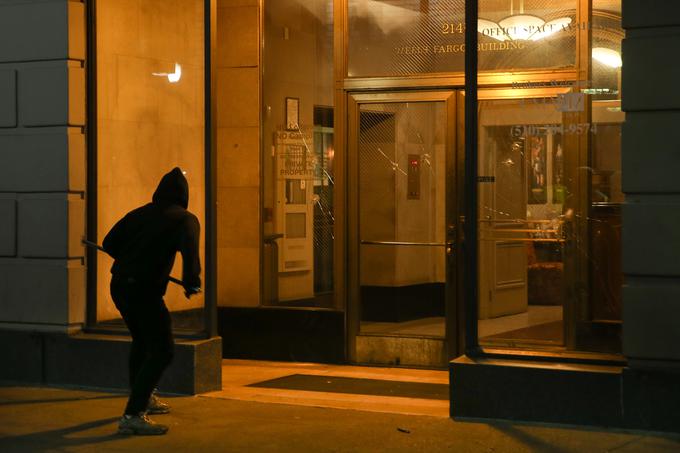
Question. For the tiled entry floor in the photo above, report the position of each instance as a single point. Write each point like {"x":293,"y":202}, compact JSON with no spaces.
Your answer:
{"x":239,"y":375}
{"x":435,"y":326}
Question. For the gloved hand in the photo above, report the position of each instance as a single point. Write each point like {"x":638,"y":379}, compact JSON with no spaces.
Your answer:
{"x":191,"y":290}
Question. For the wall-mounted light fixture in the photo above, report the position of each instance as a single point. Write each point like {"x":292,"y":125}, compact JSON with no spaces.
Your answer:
{"x":172,"y":77}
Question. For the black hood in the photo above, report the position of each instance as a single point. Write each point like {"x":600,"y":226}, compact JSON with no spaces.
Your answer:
{"x":173,"y":189}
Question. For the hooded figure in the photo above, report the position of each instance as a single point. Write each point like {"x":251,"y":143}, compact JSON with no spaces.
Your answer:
{"x":143,"y":245}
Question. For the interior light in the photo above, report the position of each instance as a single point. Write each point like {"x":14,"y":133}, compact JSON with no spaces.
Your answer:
{"x":551,"y":27}
{"x":607,"y":57}
{"x":521,"y":27}
{"x":173,"y":77}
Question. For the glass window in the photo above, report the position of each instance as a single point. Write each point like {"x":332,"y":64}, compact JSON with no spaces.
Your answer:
{"x":401,"y":162}
{"x":403,"y":37}
{"x":150,"y":119}
{"x":406,"y":37}
{"x":298,"y":153}
{"x":526,"y":34}
{"x":550,"y":203}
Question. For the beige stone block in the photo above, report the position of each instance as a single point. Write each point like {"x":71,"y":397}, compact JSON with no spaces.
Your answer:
{"x":115,"y":203}
{"x":647,"y":67}
{"x":172,"y":31}
{"x":174,"y":98}
{"x":137,"y":89}
{"x":228,"y":3}
{"x":137,"y":154}
{"x":237,"y":36}
{"x":132,"y":154}
{"x":50,"y":292}
{"x":646,"y":218}
{"x":130,"y":91}
{"x":238,"y":102}
{"x":76,"y":96}
{"x":181,"y":103}
{"x":238,"y":157}
{"x":238,"y":219}
{"x":238,"y":277}
{"x":76,"y":31}
{"x":76,"y":226}
{"x":166,"y":30}
{"x":651,"y":310}
{"x":76,"y":162}
{"x":643,"y":14}
{"x":107,"y":85}
{"x":193,"y":96}
{"x":118,"y":27}
{"x":76,"y":291}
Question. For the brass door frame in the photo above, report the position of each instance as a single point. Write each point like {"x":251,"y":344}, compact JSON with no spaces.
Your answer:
{"x":504,"y":93}
{"x":487,"y":82}
{"x":353,"y":103}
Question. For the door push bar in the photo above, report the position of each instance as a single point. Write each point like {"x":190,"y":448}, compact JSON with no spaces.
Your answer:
{"x":449,"y":245}
{"x":423,"y":244}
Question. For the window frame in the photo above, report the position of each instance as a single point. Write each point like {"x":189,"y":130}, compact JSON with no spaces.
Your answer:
{"x":91,"y":325}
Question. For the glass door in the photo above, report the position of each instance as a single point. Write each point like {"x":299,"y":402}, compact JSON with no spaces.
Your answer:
{"x":402,"y":227}
{"x":549,"y":219}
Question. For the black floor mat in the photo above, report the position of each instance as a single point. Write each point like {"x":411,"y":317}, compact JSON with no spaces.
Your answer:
{"x":376,"y":387}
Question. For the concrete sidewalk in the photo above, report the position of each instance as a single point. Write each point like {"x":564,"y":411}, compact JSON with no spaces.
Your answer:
{"x":36,"y":419}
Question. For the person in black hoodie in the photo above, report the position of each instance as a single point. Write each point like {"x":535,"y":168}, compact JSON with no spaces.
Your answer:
{"x":143,"y":245}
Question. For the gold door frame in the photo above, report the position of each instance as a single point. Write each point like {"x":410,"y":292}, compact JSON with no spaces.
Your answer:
{"x":570,"y":303}
{"x":354,"y":102}
{"x":488,"y":80}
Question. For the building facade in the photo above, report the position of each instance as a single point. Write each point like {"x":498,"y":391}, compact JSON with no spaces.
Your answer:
{"x":370,"y":191}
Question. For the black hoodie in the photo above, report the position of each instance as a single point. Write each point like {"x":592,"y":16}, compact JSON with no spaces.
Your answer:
{"x":144,"y":242}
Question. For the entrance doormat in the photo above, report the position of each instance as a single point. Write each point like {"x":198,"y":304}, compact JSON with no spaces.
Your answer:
{"x":357,"y":386}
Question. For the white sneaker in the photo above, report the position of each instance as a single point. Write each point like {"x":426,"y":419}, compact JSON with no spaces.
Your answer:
{"x":141,"y":425}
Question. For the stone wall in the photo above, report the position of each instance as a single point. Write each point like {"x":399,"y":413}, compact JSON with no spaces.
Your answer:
{"x":651,"y":165}
{"x":42,"y":157}
{"x":238,"y":153}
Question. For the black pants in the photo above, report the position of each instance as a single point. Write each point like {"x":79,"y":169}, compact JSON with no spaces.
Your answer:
{"x":148,"y":320}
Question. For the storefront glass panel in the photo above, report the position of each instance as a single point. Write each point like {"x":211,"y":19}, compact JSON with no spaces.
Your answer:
{"x":527,"y":34}
{"x":402,"y":216}
{"x":550,"y":202}
{"x":150,"y":119}
{"x":298,"y":154}
{"x":409,"y":37}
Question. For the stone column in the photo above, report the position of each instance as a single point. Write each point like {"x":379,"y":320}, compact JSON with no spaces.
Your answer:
{"x":42,"y":214}
{"x":651,"y":214}
{"x":238,"y":153}
{"x":651,"y":180}
{"x":42,"y":184}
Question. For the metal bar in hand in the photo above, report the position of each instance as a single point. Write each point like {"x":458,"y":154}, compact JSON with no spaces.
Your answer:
{"x":101,"y":249}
